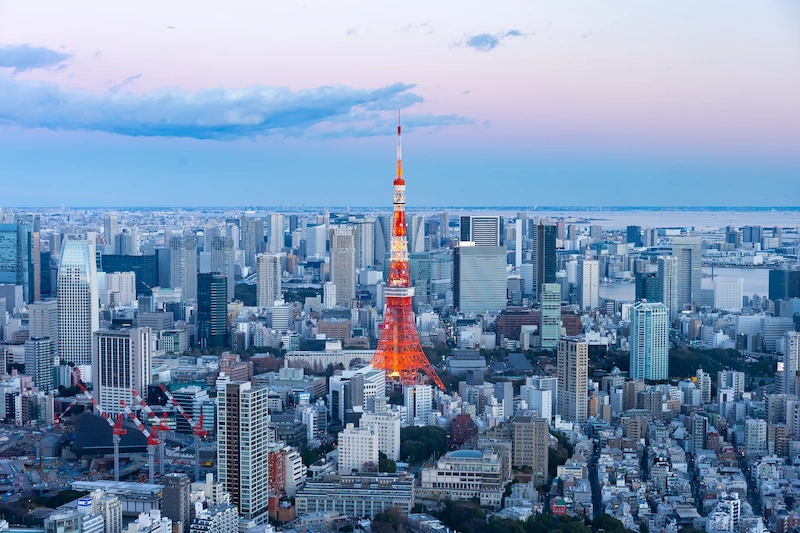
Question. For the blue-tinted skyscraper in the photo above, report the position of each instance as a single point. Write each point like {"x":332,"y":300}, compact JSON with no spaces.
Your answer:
{"x":649,"y":341}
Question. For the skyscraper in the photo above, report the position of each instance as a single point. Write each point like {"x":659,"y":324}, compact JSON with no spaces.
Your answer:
{"x":110,"y":230}
{"x":482,"y":230}
{"x":43,"y":321}
{"x":588,"y":284}
{"x":647,"y":286}
{"x":183,"y":265}
{"x":544,"y":257}
{"x":364,"y":242}
{"x":316,"y":241}
{"x":668,"y":272}
{"x":268,"y":280}
{"x":791,"y":361}
{"x":78,"y":297}
{"x":416,"y":234}
{"x":551,"y":315}
{"x":573,"y":378}
{"x":688,"y":250}
{"x":122,"y":361}
{"x":383,"y":233}
{"x":649,"y":355}
{"x":19,"y":255}
{"x":223,"y":260}
{"x":39,"y":362}
{"x":343,"y":265}
{"x":634,"y":236}
{"x":479,"y":278}
{"x":212,"y":310}
{"x":243,"y":445}
{"x":275,"y":237}
{"x":249,"y":238}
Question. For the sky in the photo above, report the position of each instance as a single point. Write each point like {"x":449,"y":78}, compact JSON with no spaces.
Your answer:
{"x":512,"y":102}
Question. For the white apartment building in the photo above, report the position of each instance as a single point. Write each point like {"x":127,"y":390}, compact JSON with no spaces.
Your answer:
{"x":358,"y":449}
{"x":419,"y":404}
{"x":387,"y":427}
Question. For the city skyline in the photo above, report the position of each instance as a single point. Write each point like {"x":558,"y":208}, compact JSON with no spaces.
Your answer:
{"x":532,"y":96}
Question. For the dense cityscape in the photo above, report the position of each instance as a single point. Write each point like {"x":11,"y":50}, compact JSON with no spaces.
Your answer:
{"x":224,"y":370}
{"x":399,"y":267}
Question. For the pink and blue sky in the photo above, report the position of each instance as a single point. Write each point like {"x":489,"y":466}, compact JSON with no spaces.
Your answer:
{"x":192,"y":103}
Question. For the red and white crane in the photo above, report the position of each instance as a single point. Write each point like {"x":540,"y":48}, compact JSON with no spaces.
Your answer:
{"x":152,"y":439}
{"x":160,"y":424}
{"x":197,"y":429}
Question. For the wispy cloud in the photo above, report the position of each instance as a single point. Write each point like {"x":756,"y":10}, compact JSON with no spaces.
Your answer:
{"x":127,"y":81}
{"x":352,"y":31}
{"x":416,"y":26}
{"x":587,"y":34}
{"x":25,"y":57}
{"x":486,"y":42}
{"x":220,"y":113}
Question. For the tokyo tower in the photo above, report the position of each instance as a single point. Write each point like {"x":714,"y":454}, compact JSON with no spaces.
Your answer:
{"x":399,"y":352}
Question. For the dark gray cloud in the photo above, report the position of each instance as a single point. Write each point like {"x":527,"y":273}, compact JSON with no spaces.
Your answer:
{"x":220,"y":113}
{"x":25,"y":57}
{"x":486,"y":42}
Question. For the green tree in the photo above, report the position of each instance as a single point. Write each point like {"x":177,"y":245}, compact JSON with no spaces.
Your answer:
{"x":420,"y":443}
{"x":385,"y":464}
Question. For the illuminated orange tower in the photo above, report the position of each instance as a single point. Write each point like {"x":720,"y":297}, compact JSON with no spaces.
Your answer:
{"x":399,"y":352}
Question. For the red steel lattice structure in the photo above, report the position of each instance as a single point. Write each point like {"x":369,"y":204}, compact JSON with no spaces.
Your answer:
{"x":399,"y":352}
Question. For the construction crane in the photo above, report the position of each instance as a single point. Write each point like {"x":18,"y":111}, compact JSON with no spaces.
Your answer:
{"x":197,"y":429}
{"x":152,"y":439}
{"x":160,"y":423}
{"x":76,"y":376}
{"x":117,"y":431}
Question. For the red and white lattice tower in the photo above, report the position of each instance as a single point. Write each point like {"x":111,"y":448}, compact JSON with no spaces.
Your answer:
{"x":399,"y":352}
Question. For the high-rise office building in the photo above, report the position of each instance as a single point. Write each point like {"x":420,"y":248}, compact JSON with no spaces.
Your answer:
{"x":110,"y":230}
{"x":275,"y":237}
{"x":647,"y":286}
{"x":551,"y":315}
{"x":544,"y":257}
{"x":316,"y":241}
{"x":573,"y":378}
{"x":634,"y":235}
{"x":482,"y":230}
{"x":343,"y":265}
{"x":479,"y":278}
{"x":176,"y":500}
{"x":43,"y":321}
{"x":784,"y":284}
{"x":416,"y":234}
{"x":668,"y":275}
{"x":223,"y":260}
{"x":243,"y":446}
{"x":588,"y":284}
{"x":444,"y":228}
{"x":250,"y":238}
{"x":122,"y":361}
{"x":329,"y":295}
{"x":212,"y":310}
{"x":19,"y":255}
{"x":649,"y":355}
{"x":40,"y":355}
{"x":183,"y":265}
{"x":365,"y":243}
{"x":78,"y":297}
{"x":383,"y":235}
{"x":728,"y":294}
{"x":688,"y":250}
{"x":268,"y":280}
{"x":751,"y":234}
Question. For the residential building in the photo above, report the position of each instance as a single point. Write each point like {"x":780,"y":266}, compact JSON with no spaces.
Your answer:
{"x":668,"y":278}
{"x":573,"y":378}
{"x":419,"y":404}
{"x":544,"y":258}
{"x":386,"y":426}
{"x":223,"y":260}
{"x":343,"y":265}
{"x":530,"y":444}
{"x":40,"y":360}
{"x":221,"y":518}
{"x":268,"y":280}
{"x":243,"y":445}
{"x":588,"y":284}
{"x":175,"y":500}
{"x":649,"y":340}
{"x":358,"y":449}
